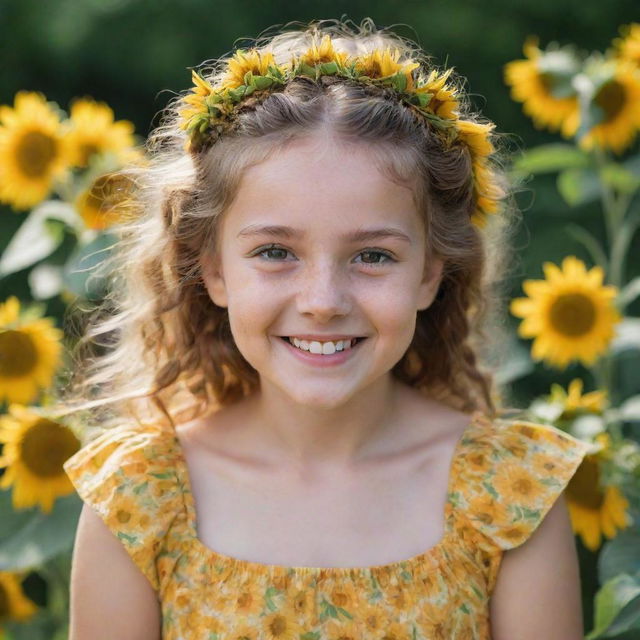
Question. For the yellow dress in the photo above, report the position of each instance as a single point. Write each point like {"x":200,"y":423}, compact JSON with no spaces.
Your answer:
{"x":503,"y":478}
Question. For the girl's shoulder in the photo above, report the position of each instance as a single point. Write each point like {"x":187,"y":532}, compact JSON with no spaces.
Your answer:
{"x":508,"y":474}
{"x":127,"y":475}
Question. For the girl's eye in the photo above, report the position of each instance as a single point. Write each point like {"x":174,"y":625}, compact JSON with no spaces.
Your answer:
{"x":369,"y":252}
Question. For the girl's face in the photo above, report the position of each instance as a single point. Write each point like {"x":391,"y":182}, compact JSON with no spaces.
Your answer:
{"x":310,"y":274}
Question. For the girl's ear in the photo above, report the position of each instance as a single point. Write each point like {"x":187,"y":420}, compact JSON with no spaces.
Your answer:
{"x":430,"y":283}
{"x":213,"y":279}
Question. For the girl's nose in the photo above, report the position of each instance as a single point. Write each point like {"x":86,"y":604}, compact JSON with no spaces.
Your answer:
{"x":323,"y":292}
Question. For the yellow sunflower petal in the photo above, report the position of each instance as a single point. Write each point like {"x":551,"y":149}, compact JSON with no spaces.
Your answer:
{"x":569,"y":314}
{"x":35,"y":449}
{"x":32,"y":153}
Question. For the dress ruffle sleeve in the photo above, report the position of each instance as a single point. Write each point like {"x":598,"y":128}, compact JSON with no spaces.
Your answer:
{"x":512,"y":474}
{"x":126,"y":476}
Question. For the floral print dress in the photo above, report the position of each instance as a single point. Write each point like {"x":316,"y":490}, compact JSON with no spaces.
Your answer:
{"x":504,"y":477}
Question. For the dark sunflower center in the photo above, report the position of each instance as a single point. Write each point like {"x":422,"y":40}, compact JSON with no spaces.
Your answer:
{"x":572,"y":314}
{"x":4,"y":604}
{"x":583,"y":487}
{"x":34,"y":153}
{"x":18,"y":354}
{"x":611,"y":98}
{"x":108,"y":191}
{"x":373,"y":70}
{"x":46,"y":446}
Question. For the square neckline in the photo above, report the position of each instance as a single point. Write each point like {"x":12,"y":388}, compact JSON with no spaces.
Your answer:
{"x":230,"y":563}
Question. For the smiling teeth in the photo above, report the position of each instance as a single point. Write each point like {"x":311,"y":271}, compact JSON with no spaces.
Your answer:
{"x":324,"y":348}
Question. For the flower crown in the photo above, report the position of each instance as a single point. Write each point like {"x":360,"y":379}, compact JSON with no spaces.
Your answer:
{"x":211,"y":111}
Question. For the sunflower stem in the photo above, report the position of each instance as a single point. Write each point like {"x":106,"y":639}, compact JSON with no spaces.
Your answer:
{"x":619,"y":233}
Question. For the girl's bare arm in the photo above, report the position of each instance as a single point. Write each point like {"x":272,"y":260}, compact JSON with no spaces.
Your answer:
{"x":537,"y":593}
{"x":110,"y":596}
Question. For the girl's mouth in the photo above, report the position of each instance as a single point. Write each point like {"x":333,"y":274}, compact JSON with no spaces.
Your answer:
{"x":320,"y":359}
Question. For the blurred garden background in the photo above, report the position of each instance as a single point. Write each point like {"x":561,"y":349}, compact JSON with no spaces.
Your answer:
{"x":561,"y":76}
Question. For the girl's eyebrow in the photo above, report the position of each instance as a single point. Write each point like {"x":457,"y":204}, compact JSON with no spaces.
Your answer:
{"x":360,"y":235}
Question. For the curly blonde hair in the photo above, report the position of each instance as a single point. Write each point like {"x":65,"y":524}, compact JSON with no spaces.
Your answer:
{"x":159,"y":348}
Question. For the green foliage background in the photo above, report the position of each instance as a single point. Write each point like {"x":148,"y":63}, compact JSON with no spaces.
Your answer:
{"x":133,"y":54}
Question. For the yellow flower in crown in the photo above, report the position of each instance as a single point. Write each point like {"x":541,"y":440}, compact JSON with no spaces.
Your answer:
{"x":440,"y":97}
{"x":201,"y":91}
{"x":385,"y":64}
{"x":210,"y":110}
{"x":487,"y":193}
{"x":242,"y":62}
{"x":324,"y":53}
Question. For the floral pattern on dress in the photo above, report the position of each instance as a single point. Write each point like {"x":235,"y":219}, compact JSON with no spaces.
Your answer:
{"x":504,"y":477}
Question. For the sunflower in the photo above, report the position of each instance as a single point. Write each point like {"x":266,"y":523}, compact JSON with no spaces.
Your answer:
{"x":281,"y":625}
{"x":595,"y":510}
{"x":570,"y":314}
{"x":628,"y":47}
{"x":323,"y":53}
{"x":574,"y":402}
{"x":35,"y":448}
{"x":443,"y":101}
{"x":29,"y":353}
{"x":32,"y":153}
{"x":243,"y":61}
{"x":616,"y":101}
{"x":108,"y":201}
{"x":15,"y":604}
{"x":541,"y":83}
{"x":91,"y":130}
{"x":487,"y":192}
{"x":382,"y":64}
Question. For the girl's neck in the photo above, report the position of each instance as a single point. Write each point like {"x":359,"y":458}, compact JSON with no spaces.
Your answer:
{"x":338,"y":437}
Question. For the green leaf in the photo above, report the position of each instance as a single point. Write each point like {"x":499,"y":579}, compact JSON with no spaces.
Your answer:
{"x":31,"y":537}
{"x":627,"y":620}
{"x":213,"y":99}
{"x":276,"y":72}
{"x":549,"y":158}
{"x":630,"y":410}
{"x":306,"y":70}
{"x":629,"y":292}
{"x":399,"y":81}
{"x":579,"y":186}
{"x":590,"y":243}
{"x":614,"y":595}
{"x":622,"y":554}
{"x":329,"y":68}
{"x":627,"y":335}
{"x":620,"y":178}
{"x":45,"y":281}
{"x":423,"y":98}
{"x":262,"y":82}
{"x":237,"y":93}
{"x":39,"y":236}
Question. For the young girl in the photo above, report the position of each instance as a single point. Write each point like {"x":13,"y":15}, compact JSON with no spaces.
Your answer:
{"x":306,"y":444}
